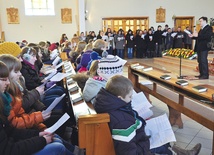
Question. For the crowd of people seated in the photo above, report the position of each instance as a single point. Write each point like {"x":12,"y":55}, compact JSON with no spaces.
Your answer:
{"x":99,"y":68}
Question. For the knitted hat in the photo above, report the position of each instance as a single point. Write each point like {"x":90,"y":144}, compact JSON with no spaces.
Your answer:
{"x":85,"y":58}
{"x":110,"y":66}
{"x":10,"y":48}
{"x":52,"y":47}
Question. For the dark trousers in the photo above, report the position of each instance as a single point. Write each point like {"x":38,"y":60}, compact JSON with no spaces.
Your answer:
{"x":203,"y":63}
{"x":158,"y":50}
{"x":168,"y":46}
{"x":188,"y":46}
{"x":150,"y":53}
{"x":110,"y":50}
{"x":140,"y":52}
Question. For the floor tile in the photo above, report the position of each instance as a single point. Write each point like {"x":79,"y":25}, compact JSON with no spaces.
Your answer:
{"x":188,"y":131}
{"x":203,"y":151}
{"x":180,"y":137}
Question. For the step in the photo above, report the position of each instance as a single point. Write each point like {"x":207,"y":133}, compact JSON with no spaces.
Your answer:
{"x":190,"y":64}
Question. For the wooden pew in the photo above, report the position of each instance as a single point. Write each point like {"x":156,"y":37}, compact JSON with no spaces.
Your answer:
{"x":94,"y":134}
{"x":63,"y":56}
{"x":93,"y":131}
{"x":178,"y":99}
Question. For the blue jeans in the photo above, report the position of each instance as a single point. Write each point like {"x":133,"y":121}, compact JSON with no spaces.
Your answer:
{"x":49,"y":99}
{"x":130,"y":52}
{"x":162,"y":150}
{"x":50,"y":96}
{"x":57,"y":147}
{"x":120,"y":53}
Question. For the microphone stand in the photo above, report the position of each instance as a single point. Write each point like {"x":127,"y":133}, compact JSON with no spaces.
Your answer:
{"x":180,"y":76}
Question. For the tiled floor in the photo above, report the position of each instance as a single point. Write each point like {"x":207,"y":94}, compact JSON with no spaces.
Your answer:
{"x":192,"y":132}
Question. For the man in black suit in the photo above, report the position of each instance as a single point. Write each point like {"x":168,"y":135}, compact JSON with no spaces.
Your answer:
{"x":203,"y":37}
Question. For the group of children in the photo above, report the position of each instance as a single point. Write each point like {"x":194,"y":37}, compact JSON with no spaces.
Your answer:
{"x":23,"y":119}
{"x":22,"y":123}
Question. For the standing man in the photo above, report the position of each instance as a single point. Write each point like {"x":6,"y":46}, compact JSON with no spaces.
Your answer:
{"x":202,"y":38}
{"x":158,"y":41}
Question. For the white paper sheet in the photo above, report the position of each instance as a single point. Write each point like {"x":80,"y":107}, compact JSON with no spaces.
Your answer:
{"x":54,"y":103}
{"x":164,"y":34}
{"x":59,"y":123}
{"x":104,"y":37}
{"x":48,"y":71}
{"x":56,"y":60}
{"x":59,"y":65}
{"x":143,"y":36}
{"x":51,"y":75}
{"x":141,"y":105}
{"x":186,"y":31}
{"x":160,"y":131}
{"x":49,"y":88}
{"x":58,"y":77}
{"x":173,"y":34}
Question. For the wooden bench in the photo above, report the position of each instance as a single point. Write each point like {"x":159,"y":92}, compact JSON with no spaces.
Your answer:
{"x":178,"y":99}
{"x":93,"y":131}
{"x":94,"y":134}
{"x":63,"y":56}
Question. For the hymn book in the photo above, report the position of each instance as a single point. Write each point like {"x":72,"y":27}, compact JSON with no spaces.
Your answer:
{"x":147,"y":69}
{"x":165,"y":77}
{"x":182,"y":82}
{"x":199,"y":89}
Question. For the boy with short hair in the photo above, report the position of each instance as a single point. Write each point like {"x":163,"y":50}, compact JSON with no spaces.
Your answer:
{"x":126,"y":126}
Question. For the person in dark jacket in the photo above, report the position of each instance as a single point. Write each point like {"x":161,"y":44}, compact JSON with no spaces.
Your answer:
{"x":187,"y":39}
{"x":179,"y":39}
{"x":127,"y":127}
{"x":32,"y":79}
{"x":158,"y":41}
{"x":130,"y":43}
{"x":202,"y":38}
{"x":169,"y":39}
{"x":140,"y":43}
{"x":150,"y":44}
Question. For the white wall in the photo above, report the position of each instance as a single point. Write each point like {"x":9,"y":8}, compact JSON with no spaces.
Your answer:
{"x":37,"y":28}
{"x":97,"y":9}
{"x":50,"y":28}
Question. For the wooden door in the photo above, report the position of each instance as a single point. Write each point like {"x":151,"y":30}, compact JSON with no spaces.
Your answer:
{"x":125,"y":23}
{"x":183,"y":22}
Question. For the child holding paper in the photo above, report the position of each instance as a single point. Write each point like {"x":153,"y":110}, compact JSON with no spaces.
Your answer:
{"x":25,"y":141}
{"x":27,"y":101}
{"x":32,"y":79}
{"x":130,"y":43}
{"x":120,"y":43}
{"x":126,"y":126}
